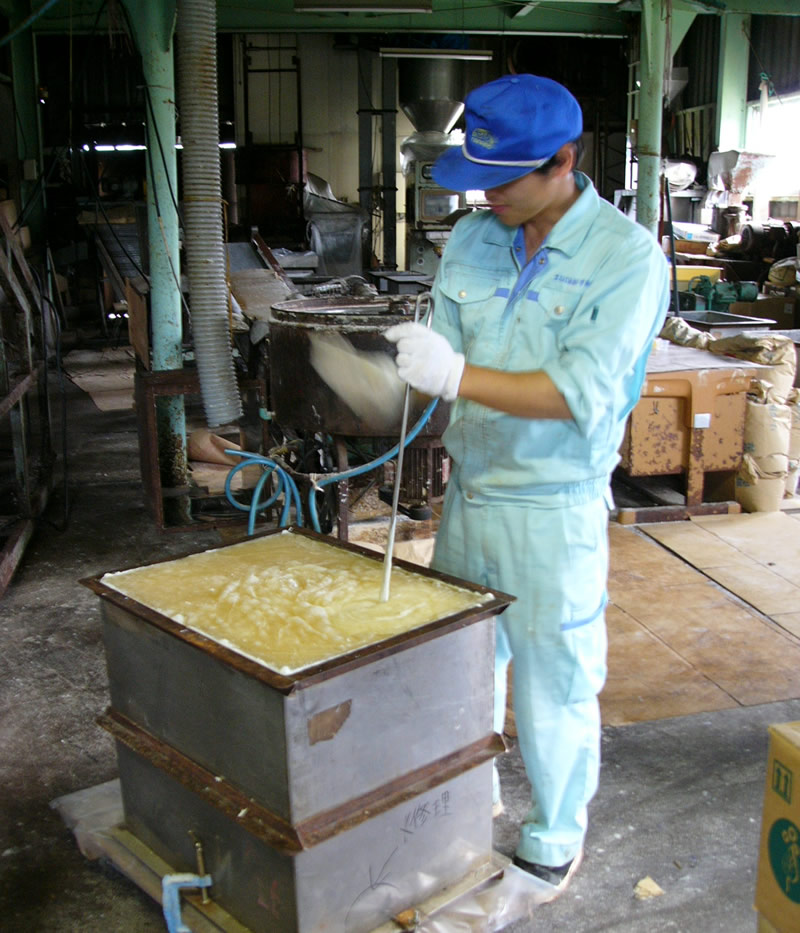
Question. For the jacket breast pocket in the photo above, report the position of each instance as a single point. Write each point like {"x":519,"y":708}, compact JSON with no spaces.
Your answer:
{"x":479,"y":301}
{"x":557,"y":306}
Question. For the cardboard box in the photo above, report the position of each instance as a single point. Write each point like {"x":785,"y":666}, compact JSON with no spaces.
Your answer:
{"x":764,"y":926}
{"x":778,"y":881}
{"x":779,"y":308}
{"x":698,"y":247}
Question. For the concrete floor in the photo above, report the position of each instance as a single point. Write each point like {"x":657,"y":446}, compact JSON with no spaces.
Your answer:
{"x":679,"y":799}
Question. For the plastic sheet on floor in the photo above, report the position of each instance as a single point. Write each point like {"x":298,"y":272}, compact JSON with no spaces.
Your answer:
{"x":488,"y":909}
{"x":95,"y":818}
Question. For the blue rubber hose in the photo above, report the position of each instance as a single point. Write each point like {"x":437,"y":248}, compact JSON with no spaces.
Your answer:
{"x":287,"y":488}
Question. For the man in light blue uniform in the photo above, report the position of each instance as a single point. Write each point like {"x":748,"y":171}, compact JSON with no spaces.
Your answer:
{"x":546,"y":307}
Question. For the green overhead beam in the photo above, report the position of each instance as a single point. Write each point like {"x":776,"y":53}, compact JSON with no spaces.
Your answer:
{"x":763,"y":7}
{"x":720,"y":7}
{"x":480,"y":17}
{"x":487,"y":17}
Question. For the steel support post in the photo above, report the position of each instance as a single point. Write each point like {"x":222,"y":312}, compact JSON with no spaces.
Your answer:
{"x":651,"y":102}
{"x":389,"y":161}
{"x":153,"y":23}
{"x":365,"y":115}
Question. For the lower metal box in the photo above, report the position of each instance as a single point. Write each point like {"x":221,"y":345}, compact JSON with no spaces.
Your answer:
{"x":420,"y":836}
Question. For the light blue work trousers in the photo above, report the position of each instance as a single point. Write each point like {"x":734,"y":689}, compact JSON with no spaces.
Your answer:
{"x":555,"y":561}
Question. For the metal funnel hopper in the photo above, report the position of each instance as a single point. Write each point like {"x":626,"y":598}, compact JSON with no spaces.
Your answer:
{"x":430,"y":92}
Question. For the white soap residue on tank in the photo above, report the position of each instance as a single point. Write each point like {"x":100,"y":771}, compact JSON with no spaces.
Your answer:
{"x":289,"y":601}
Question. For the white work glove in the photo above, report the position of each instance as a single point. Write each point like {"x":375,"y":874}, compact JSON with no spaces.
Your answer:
{"x":426,"y":361}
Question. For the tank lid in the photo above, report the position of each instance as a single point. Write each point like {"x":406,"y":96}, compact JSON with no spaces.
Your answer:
{"x":337,"y":309}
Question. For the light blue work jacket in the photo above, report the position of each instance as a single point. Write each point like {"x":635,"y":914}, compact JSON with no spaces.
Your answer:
{"x":585,"y":310}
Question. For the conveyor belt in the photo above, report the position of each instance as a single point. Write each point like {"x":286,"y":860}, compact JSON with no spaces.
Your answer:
{"x":255,"y":284}
{"x":118,"y":248}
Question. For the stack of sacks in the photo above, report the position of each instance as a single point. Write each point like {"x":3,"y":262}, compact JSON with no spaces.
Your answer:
{"x":764,"y":474}
{"x":794,"y":444}
{"x":677,"y":331}
{"x":775,"y":353}
{"x":762,"y":477}
{"x":784,"y":273}
{"x":766,"y":470}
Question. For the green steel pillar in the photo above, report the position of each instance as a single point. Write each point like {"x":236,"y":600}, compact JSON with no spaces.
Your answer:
{"x":153,"y":24}
{"x":651,"y":103}
{"x":26,"y":96}
{"x":734,"y":53}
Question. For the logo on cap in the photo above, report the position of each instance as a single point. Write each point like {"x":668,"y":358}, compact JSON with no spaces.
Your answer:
{"x":483,"y":138}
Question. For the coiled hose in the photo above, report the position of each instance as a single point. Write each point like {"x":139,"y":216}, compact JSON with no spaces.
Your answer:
{"x":287,"y":487}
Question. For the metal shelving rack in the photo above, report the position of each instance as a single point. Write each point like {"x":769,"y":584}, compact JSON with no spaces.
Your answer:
{"x":27,"y":458}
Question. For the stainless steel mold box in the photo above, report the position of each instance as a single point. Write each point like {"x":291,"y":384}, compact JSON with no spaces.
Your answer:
{"x":304,"y":745}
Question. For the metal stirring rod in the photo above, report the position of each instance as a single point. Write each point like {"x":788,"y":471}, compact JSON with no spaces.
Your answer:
{"x":387,"y":558}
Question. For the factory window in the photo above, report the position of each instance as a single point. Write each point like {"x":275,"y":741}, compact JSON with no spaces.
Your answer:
{"x":784,"y":208}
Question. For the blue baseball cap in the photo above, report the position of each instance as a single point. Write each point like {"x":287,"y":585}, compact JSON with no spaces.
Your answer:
{"x":514,"y":125}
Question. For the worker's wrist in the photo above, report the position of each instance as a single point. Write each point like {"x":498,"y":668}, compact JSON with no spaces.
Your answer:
{"x":454,"y":377}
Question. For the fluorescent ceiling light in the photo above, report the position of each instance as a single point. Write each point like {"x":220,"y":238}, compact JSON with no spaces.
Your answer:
{"x":363,"y":6}
{"x":476,"y":55}
{"x":179,"y":145}
{"x":131,"y":147}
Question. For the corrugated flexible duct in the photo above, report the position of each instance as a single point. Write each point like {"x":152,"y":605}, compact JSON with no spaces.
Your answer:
{"x":202,"y":195}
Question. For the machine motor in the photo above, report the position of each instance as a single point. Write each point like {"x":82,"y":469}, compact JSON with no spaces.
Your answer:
{"x":705,"y":295}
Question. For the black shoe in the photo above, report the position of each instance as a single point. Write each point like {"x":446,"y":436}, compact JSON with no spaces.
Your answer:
{"x":558,"y":877}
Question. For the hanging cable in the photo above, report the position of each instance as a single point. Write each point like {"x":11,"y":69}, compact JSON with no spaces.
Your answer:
{"x":173,"y":270}
{"x":163,"y":154}
{"x":764,"y":76}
